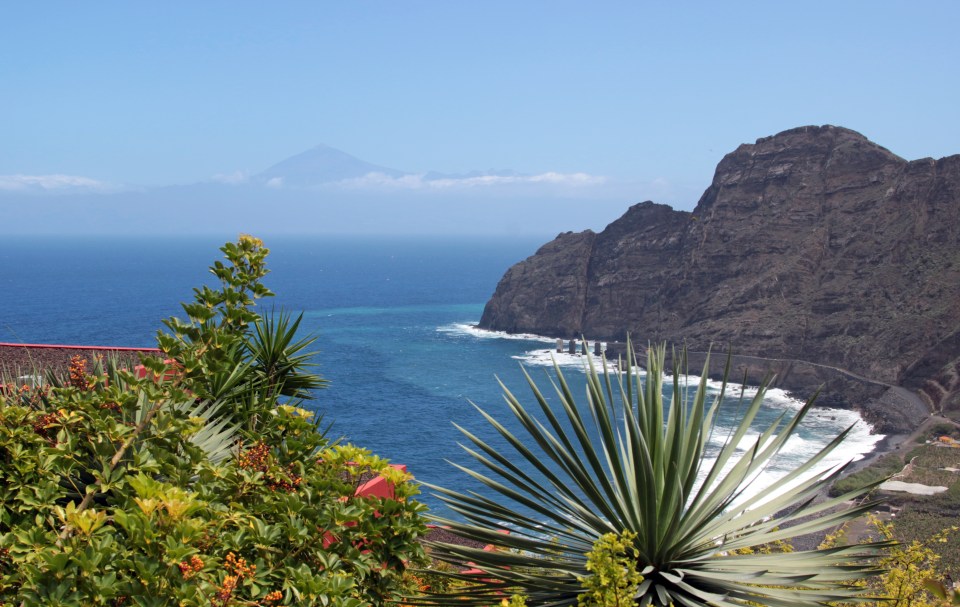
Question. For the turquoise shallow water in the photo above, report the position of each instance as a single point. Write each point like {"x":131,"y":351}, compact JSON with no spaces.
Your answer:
{"x":392,"y":318}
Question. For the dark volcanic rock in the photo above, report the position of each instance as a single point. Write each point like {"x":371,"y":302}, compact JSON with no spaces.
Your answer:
{"x":556,"y":305}
{"x":812,"y":245}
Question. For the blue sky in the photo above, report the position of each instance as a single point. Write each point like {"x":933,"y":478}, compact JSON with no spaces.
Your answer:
{"x":647,"y":96}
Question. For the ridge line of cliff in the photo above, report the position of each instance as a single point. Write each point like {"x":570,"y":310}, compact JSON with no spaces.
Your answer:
{"x":814,"y":244}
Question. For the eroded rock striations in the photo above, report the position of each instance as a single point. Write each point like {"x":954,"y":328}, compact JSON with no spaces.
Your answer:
{"x":813,"y":245}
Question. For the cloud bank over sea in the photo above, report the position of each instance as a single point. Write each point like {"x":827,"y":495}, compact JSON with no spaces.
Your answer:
{"x":425,"y":181}
{"x":326,"y":191}
{"x":61,"y":184}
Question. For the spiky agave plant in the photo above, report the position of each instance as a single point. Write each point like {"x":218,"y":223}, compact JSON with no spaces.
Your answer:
{"x":281,"y":359}
{"x":627,"y":461}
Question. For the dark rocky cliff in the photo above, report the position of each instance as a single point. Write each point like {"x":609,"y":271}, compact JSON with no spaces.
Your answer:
{"x":812,"y":245}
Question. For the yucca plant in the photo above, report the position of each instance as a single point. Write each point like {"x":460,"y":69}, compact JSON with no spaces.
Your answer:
{"x":626,"y":461}
{"x":280,"y":358}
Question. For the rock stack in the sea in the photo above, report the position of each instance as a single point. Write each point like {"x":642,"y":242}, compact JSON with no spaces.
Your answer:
{"x":812,"y":245}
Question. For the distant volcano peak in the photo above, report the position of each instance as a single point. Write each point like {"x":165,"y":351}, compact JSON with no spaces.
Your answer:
{"x":320,"y":164}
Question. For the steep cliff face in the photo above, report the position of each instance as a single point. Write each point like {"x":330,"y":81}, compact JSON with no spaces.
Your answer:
{"x":814,"y":244}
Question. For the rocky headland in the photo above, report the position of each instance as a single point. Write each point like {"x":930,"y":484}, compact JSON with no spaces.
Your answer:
{"x":814,"y":253}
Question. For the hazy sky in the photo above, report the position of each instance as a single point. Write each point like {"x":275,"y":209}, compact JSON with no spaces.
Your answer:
{"x":166,"y":93}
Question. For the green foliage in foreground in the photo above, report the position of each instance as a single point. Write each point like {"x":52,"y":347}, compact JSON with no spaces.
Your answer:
{"x":227,"y":351}
{"x":912,"y":569}
{"x":613,"y":579}
{"x":123,"y":491}
{"x":920,"y":517}
{"x":624,"y":461}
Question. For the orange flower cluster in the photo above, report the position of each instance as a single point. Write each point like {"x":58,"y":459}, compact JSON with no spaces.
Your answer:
{"x":257,"y":458}
{"x":225,"y":592}
{"x":238,"y":569}
{"x":422,"y":585}
{"x":24,"y":393}
{"x":12,"y":389}
{"x":46,"y":424}
{"x":188,"y":570}
{"x":273,"y":597}
{"x":78,"y":374}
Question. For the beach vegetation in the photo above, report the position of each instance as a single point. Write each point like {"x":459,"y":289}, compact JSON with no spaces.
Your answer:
{"x":636,"y":458}
{"x":877,"y":472}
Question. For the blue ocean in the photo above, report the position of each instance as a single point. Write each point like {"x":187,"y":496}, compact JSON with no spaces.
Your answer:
{"x":394,"y":320}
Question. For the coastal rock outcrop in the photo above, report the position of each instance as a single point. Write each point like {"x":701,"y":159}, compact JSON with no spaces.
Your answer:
{"x":812,"y":245}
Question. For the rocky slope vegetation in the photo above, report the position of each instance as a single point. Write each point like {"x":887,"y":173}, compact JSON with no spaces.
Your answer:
{"x":814,"y":245}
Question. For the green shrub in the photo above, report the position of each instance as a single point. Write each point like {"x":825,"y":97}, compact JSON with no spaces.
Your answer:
{"x":921,"y":524}
{"x":613,"y":579}
{"x":226,"y":351}
{"x":116,"y":490}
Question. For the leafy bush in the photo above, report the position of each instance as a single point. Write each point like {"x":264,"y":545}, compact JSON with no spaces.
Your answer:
{"x":116,"y":490}
{"x":916,"y":524}
{"x":227,"y":351}
{"x":906,"y":568}
{"x":613,"y":579}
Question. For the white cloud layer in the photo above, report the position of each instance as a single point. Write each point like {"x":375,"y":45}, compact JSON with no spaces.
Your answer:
{"x":423,"y":182}
{"x":54,"y":183}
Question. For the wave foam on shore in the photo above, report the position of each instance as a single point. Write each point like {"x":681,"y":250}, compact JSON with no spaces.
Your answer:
{"x":820,"y":426}
{"x":467,"y":329}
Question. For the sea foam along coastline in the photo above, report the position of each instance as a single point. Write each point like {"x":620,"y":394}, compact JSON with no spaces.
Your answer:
{"x":821,"y":425}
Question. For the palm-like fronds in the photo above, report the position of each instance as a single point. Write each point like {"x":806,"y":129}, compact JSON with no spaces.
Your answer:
{"x":624,"y":461}
{"x":280,"y":360}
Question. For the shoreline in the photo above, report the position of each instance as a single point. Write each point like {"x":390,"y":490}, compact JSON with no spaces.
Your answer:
{"x":876,"y":403}
{"x":888,"y":441}
{"x":888,"y":408}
